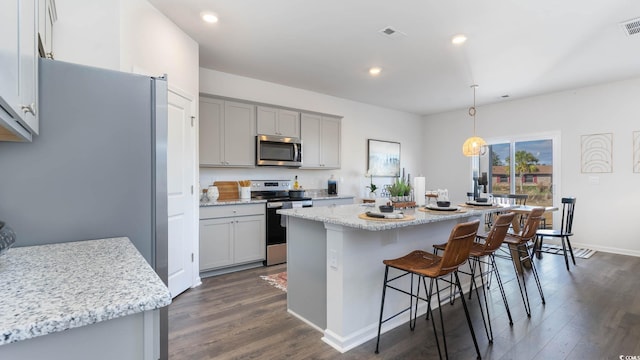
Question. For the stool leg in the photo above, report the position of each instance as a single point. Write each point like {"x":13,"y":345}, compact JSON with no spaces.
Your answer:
{"x":384,"y":290}
{"x":430,"y":312}
{"x":537,"y":278}
{"x":499,"y":280}
{"x":444,"y":337}
{"x":486,"y":321}
{"x":466,"y":312}
{"x":521,"y":284}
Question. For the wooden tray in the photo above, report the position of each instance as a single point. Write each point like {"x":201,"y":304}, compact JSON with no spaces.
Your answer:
{"x":228,"y":190}
{"x":406,"y":217}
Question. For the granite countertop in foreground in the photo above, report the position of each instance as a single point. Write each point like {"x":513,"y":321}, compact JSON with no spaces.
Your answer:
{"x":347,"y":215}
{"x":50,"y":288}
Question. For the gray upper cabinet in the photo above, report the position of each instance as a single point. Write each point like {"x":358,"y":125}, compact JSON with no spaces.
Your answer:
{"x":227,"y":133}
{"x":18,"y":70}
{"x":280,"y":122}
{"x":321,"y":139}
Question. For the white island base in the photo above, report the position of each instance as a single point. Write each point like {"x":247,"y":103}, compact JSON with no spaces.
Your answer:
{"x":335,"y":272}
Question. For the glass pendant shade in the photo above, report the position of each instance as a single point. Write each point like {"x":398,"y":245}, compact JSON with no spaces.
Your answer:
{"x":473,"y":146}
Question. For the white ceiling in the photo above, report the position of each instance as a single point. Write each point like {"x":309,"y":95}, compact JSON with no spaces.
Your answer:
{"x":520,"y":48}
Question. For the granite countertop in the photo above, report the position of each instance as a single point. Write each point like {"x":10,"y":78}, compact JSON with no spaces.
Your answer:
{"x":347,"y":215}
{"x":50,"y":288}
{"x":233,"y":202}
{"x":329,"y":197}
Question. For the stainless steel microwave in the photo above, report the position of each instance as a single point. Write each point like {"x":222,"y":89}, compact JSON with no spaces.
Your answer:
{"x":278,"y":151}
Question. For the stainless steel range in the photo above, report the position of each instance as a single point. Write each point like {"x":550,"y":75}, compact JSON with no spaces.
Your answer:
{"x":276,"y":192}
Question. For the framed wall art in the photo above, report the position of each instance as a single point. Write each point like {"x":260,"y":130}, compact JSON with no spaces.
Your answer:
{"x":384,"y":158}
{"x":597,"y":153}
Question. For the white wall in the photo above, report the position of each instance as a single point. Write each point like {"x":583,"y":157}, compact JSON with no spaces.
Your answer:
{"x":605,"y":213}
{"x":360,"y":122}
{"x":126,"y":35}
{"x":87,"y":32}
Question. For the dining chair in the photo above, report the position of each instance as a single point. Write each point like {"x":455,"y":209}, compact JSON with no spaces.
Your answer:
{"x":425,"y":265}
{"x":565,"y":231}
{"x":482,"y":254}
{"x":521,"y":253}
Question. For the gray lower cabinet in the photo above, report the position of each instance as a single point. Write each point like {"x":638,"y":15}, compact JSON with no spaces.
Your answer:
{"x":231,"y":235}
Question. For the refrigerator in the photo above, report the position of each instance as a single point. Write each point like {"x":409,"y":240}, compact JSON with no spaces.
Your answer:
{"x":98,"y":168}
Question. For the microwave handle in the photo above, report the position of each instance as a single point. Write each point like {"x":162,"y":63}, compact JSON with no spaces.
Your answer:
{"x":298,"y":150}
{"x":297,"y":156}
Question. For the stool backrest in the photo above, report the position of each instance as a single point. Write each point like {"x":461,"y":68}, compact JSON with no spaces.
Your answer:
{"x":531,"y":226}
{"x":458,"y":247}
{"x":511,"y":199}
{"x":498,"y":231}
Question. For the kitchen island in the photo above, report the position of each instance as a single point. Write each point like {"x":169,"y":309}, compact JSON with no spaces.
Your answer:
{"x":94,"y":299}
{"x":335,"y":270}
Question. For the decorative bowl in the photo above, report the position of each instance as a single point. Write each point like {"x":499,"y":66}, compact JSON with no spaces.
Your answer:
{"x":386,"y":208}
{"x":443,"y":204}
{"x":482,"y":200}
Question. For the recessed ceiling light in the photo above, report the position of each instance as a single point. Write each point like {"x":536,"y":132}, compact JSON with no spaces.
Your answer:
{"x":209,"y":17}
{"x":375,"y":71}
{"x":458,"y":39}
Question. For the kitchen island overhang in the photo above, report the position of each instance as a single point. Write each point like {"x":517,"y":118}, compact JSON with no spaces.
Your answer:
{"x":335,"y":270}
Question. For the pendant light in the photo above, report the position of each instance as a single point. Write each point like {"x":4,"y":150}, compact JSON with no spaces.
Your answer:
{"x":474,"y":145}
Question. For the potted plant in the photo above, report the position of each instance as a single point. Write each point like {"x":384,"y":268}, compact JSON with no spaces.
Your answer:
{"x":398,"y":190}
{"x":372,"y":187}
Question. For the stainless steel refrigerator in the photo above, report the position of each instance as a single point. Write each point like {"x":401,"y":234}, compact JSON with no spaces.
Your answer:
{"x":98,"y":169}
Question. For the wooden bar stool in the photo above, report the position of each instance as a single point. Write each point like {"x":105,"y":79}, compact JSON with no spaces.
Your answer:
{"x":483,"y":254}
{"x":519,"y":243}
{"x":427,"y":265}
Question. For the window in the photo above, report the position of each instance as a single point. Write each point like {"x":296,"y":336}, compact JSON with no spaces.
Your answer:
{"x":522,"y":166}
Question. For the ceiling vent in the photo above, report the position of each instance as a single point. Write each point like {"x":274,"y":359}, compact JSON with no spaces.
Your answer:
{"x":391,"y":32}
{"x":631,"y":27}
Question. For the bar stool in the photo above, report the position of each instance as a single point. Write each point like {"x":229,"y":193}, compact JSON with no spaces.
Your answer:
{"x":483,"y":254}
{"x":519,"y":243}
{"x":427,"y":265}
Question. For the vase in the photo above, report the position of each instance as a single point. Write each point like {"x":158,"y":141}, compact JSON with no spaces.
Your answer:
{"x":372,"y":195}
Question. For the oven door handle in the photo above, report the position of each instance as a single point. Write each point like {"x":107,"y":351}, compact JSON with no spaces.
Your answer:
{"x":274,"y":205}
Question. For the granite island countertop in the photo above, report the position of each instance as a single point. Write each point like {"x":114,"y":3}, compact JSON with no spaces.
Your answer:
{"x":50,"y":288}
{"x":233,"y":202}
{"x":347,"y":215}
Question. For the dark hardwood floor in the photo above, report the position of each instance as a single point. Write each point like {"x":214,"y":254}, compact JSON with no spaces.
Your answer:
{"x":591,"y":312}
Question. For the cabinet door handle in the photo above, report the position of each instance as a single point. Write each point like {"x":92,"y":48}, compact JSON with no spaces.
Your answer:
{"x":29,"y":109}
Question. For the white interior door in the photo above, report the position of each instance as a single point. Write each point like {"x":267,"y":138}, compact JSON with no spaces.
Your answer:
{"x":181,"y":148}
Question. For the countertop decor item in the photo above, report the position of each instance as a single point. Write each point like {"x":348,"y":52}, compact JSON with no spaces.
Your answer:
{"x":372,"y":187}
{"x":7,"y":237}
{"x":474,"y":145}
{"x":228,"y":190}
